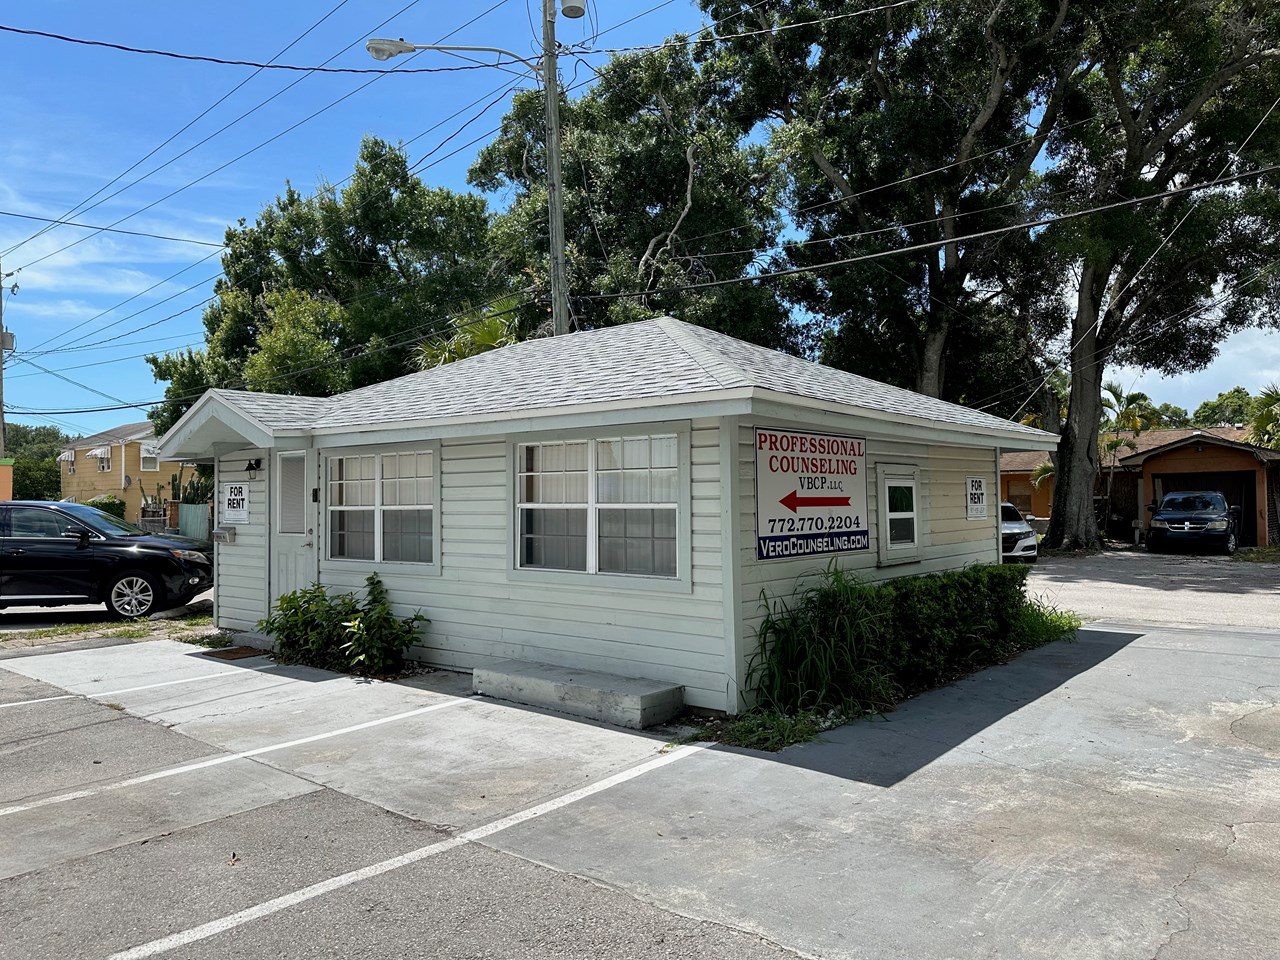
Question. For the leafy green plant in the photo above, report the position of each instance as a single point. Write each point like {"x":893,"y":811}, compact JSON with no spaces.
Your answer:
{"x":851,"y":647}
{"x":827,"y":648}
{"x":108,"y":503}
{"x":340,"y":632}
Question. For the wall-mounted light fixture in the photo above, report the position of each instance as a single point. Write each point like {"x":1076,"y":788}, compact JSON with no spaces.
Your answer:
{"x":251,"y":468}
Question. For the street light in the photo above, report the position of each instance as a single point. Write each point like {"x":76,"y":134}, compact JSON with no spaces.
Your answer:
{"x":382,"y":49}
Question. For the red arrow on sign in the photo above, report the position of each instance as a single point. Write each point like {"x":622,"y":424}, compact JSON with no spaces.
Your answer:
{"x":792,"y":501}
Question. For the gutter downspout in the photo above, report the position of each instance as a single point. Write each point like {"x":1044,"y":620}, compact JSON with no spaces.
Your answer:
{"x":999,"y":516}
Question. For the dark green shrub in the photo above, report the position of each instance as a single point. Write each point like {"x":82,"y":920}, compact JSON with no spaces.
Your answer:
{"x":339,"y":632}
{"x":108,"y":503}
{"x":828,"y":648}
{"x":852,"y":647}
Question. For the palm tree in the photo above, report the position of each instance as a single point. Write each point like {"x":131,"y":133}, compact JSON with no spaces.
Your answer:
{"x":1264,"y":425}
{"x":1130,"y":414}
{"x":472,"y":332}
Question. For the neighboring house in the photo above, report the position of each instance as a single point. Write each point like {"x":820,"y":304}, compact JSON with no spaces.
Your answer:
{"x":122,"y":461}
{"x":616,"y":500}
{"x":1166,"y":461}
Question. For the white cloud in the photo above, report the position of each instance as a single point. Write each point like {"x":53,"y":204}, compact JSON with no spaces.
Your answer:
{"x":1250,"y":359}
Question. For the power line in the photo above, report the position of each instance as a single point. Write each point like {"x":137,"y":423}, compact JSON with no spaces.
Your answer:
{"x":242,"y":116}
{"x":479,"y":16}
{"x":204,"y":113}
{"x":405,"y":337}
{"x":134,"y":356}
{"x":933,"y":244}
{"x":97,"y":229}
{"x":248,"y":63}
{"x":645,"y":48}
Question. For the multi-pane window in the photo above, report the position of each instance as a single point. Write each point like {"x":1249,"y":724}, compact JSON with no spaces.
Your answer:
{"x":150,"y":459}
{"x":104,"y":464}
{"x":599,"y":506}
{"x":901,"y":513}
{"x":903,"y":518}
{"x":382,"y":507}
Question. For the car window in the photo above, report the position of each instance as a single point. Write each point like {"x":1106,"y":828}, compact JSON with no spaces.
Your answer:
{"x":102,"y":522}
{"x":1009,"y":513}
{"x":33,"y":523}
{"x":1192,"y":502}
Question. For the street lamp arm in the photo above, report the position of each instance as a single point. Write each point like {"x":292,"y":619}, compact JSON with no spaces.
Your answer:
{"x":382,"y":49}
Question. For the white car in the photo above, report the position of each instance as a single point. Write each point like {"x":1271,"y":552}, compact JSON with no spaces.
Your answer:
{"x":1018,"y":542}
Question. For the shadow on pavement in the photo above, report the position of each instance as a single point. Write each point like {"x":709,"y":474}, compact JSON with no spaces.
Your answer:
{"x":885,"y":750}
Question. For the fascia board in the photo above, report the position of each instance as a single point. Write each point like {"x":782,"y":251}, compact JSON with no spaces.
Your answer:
{"x":212,"y":407}
{"x":1141,"y":457}
{"x":783,"y":405}
{"x":212,"y":397}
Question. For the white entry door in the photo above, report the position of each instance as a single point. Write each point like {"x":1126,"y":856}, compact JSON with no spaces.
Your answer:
{"x":295,"y":556}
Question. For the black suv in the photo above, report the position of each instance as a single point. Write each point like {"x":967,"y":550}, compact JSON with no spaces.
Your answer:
{"x":1198,"y":518}
{"x":52,"y":554}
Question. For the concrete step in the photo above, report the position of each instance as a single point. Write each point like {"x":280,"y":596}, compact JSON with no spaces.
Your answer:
{"x":622,"y":701}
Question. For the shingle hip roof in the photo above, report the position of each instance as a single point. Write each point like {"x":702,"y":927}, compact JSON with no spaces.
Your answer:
{"x":649,"y":360}
{"x":142,"y":430}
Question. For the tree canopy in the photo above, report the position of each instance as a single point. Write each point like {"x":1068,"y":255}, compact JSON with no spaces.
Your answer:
{"x":327,"y":292}
{"x":662,"y":188}
{"x":1230,"y":408}
{"x":36,"y":474}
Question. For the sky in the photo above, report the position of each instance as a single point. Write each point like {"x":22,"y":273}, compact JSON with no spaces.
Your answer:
{"x":197,"y":146}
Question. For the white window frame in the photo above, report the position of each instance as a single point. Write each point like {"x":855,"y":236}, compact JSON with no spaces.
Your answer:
{"x":433,"y":448}
{"x":143,"y":457}
{"x":104,"y":464}
{"x":71,"y":466}
{"x":898,"y":475}
{"x":592,"y":578}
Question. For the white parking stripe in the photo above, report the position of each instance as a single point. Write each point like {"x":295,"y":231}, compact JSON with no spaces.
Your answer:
{"x":227,"y":758}
{"x":149,"y":686}
{"x":221,"y":925}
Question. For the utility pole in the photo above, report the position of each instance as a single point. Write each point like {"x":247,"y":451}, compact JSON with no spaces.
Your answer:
{"x":6,"y":343}
{"x":555,"y":190}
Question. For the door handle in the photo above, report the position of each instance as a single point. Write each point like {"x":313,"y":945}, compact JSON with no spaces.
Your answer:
{"x":16,"y":552}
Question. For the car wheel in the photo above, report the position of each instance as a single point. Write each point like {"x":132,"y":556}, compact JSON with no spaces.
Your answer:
{"x":1231,"y":544}
{"x":134,"y":594}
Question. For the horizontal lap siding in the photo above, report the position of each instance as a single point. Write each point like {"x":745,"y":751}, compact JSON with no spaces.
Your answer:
{"x":947,"y":539}
{"x":479,"y":613}
{"x":241,"y":567}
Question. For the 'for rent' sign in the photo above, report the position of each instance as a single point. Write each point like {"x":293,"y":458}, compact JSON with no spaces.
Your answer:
{"x":811,"y":494}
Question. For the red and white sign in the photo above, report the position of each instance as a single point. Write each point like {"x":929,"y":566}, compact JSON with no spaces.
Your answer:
{"x":811,"y":494}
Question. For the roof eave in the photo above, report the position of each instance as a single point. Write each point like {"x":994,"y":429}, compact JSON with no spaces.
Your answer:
{"x":195,"y":433}
{"x":1015,"y":438}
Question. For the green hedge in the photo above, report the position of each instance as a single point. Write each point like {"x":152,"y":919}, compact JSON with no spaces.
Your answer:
{"x":856,"y":647}
{"x":108,"y":503}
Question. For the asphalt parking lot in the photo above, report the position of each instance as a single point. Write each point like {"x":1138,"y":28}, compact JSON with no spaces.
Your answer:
{"x":1114,"y":797}
{"x":1133,"y":586}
